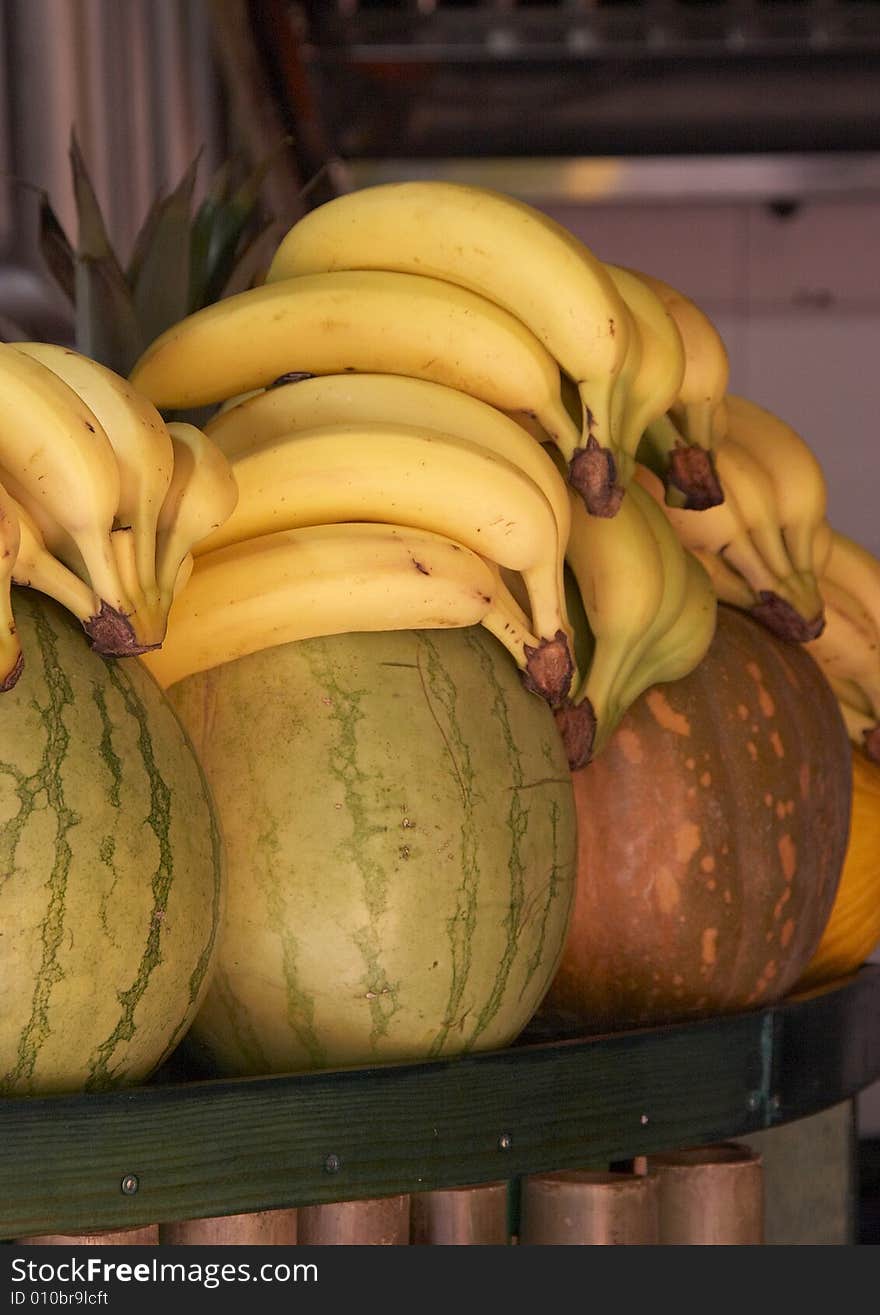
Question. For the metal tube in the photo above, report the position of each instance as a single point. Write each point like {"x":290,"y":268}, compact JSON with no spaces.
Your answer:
{"x":461,"y":1216}
{"x":584,"y":1208}
{"x":259,"y":1228}
{"x":145,"y":1235}
{"x":379,"y":1221}
{"x":710,"y":1195}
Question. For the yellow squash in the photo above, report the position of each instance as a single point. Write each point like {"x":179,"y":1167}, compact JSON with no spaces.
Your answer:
{"x":853,"y":930}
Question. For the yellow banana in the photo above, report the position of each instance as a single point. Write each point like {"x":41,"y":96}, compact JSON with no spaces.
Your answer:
{"x":707,"y":365}
{"x":139,"y":437}
{"x":36,"y":567}
{"x":417,"y":476}
{"x":11,"y":658}
{"x":657,"y":379}
{"x":854,"y":568}
{"x":54,"y":447}
{"x":745,"y":534}
{"x":822,"y":545}
{"x":863,"y":728}
{"x":398,"y":399}
{"x":730,"y":587}
{"x":506,"y":251}
{"x":795,"y":610}
{"x":678,"y":444}
{"x":617,"y":566}
{"x":509,"y":623}
{"x":848,"y":651}
{"x":793,"y":472}
{"x":319,"y":580}
{"x":676,"y":651}
{"x":366,"y":321}
{"x":676,"y":581}
{"x":395,"y":399}
{"x":201,"y":495}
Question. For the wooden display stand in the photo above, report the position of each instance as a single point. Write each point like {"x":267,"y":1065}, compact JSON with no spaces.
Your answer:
{"x":172,"y":1151}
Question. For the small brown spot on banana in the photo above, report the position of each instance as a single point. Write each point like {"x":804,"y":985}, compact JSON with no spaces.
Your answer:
{"x":291,"y":377}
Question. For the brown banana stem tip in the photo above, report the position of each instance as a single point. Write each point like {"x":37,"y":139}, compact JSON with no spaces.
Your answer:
{"x":13,"y":674}
{"x":549,"y":668}
{"x":592,"y":471}
{"x":872,"y":743}
{"x":692,"y":472}
{"x":577,"y":726}
{"x":111,"y":634}
{"x":783,"y":621}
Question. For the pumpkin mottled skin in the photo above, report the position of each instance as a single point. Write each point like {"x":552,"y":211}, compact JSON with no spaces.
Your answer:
{"x":712,"y":833}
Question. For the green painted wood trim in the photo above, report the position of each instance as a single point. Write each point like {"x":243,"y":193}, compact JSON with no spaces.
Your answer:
{"x":220,"y":1147}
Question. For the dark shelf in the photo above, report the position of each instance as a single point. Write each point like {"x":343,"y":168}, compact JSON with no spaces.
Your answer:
{"x":232,"y":1146}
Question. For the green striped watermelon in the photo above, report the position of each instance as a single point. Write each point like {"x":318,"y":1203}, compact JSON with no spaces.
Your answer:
{"x":112,"y":878}
{"x":401,"y":840}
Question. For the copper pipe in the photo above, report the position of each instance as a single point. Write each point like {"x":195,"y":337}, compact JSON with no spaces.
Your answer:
{"x":259,"y":1228}
{"x":584,"y":1208}
{"x":145,"y":1235}
{"x":383,"y":1221}
{"x":710,"y":1195}
{"x":461,"y":1216}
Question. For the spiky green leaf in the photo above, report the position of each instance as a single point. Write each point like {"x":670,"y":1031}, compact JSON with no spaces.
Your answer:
{"x":222,"y":226}
{"x":106,"y":326}
{"x":56,"y":249}
{"x":160,"y":291}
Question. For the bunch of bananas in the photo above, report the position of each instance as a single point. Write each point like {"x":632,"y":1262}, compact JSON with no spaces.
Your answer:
{"x":451,"y":365}
{"x":759,"y":543}
{"x":848,"y":649}
{"x":101,"y":501}
{"x":470,"y":288}
{"x":387,"y":502}
{"x":770,"y":551}
{"x":440,"y":408}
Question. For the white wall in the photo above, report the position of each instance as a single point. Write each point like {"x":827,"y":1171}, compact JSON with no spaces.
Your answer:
{"x":797,"y":300}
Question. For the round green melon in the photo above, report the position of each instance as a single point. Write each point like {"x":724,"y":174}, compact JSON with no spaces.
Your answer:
{"x":112,"y":877}
{"x":400,"y":831}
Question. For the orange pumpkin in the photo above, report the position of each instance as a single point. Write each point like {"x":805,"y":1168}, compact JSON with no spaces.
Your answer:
{"x":712,"y":832}
{"x":853,"y":931}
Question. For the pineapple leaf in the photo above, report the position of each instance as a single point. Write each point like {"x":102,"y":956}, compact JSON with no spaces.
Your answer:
{"x":202,"y":228}
{"x":160,"y":290}
{"x":253,"y":258}
{"x":106,"y":326}
{"x":221,"y":227}
{"x":56,"y":249}
{"x":143,"y":240}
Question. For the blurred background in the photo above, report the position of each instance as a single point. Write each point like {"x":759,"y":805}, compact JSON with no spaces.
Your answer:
{"x":731,"y":147}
